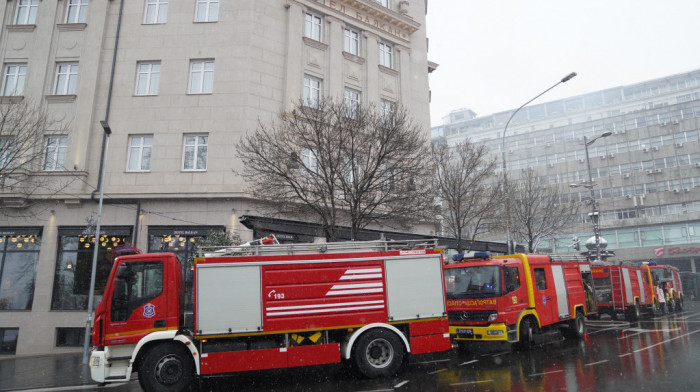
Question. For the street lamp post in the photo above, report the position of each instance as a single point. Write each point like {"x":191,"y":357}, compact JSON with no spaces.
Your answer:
{"x":96,"y":246}
{"x":589,"y":185}
{"x":503,"y":152}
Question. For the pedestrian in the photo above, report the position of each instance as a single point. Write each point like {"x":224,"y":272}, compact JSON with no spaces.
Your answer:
{"x":661,"y":296}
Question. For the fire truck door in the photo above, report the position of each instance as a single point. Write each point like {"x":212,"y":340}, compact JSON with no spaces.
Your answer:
{"x":560,"y":285}
{"x":138,"y":304}
{"x":629,"y":298}
{"x":545,"y":296}
{"x":642,"y":296}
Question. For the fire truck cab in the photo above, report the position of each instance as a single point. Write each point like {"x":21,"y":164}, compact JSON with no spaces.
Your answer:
{"x":668,"y":278}
{"x":513,"y":298}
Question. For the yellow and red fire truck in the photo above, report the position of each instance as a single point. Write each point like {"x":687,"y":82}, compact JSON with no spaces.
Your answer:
{"x":272,"y":306}
{"x":668,"y":278}
{"x":515,"y":297}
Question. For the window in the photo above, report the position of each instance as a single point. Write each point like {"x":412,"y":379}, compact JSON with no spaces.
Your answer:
{"x":540,"y":279}
{"x":147,"y":77}
{"x":511,"y":279}
{"x":352,"y":102}
{"x":194,"y":156}
{"x":387,"y":109}
{"x":312,"y":27}
{"x":201,"y":77}
{"x":140,"y":147}
{"x":309,"y":159}
{"x":55,"y":153}
{"x":207,"y":11}
{"x":135,"y":284}
{"x":26,"y":12}
{"x":70,"y":337}
{"x":66,"y":78}
{"x":13,"y":80}
{"x":385,"y":54}
{"x":312,"y":91}
{"x":385,"y":3}
{"x":352,"y":42}
{"x":77,"y":11}
{"x":71,"y":285}
{"x":5,"y":152}
{"x":8,"y":340}
{"x":156,"y":11}
{"x":19,"y":253}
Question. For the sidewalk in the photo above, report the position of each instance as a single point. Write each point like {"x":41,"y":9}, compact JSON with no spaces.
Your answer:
{"x":59,"y":370}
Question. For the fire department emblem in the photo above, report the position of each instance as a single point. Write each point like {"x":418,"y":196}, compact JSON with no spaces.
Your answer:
{"x":149,"y":310}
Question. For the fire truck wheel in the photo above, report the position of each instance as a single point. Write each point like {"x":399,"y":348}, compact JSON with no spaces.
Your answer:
{"x":526,"y":337}
{"x":577,"y":326}
{"x":679,"y":305}
{"x":166,"y":367}
{"x":671,"y":305}
{"x":657,"y":309}
{"x":378,"y":353}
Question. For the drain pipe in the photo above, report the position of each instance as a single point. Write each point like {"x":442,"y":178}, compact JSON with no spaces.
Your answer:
{"x":109,"y":105}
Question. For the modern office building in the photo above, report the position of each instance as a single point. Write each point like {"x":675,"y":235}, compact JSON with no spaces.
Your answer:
{"x":177,"y":83}
{"x":646,"y":173}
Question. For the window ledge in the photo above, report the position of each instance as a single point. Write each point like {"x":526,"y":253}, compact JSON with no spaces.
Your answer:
{"x":388,"y":70}
{"x":71,"y":26}
{"x":67,"y":98}
{"x":353,"y":58}
{"x":22,"y":27}
{"x":5,"y":99}
{"x":315,"y":44}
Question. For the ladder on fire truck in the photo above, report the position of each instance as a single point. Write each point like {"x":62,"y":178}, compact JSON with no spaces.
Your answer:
{"x":616,"y":288}
{"x":262,"y":247}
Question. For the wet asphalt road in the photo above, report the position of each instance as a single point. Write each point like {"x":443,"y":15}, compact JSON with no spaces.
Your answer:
{"x":660,"y":354}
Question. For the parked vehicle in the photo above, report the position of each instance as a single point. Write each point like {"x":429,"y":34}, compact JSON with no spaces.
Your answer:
{"x":516,"y":297}
{"x":691,"y":284}
{"x":668,"y":278}
{"x":270,"y":306}
{"x":623,"y":291}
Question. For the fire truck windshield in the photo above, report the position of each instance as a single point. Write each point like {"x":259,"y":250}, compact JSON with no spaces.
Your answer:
{"x":473,"y":282}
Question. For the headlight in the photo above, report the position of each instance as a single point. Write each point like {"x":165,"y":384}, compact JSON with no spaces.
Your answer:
{"x":494,"y":332}
{"x":493,"y":317}
{"x":94,"y":361}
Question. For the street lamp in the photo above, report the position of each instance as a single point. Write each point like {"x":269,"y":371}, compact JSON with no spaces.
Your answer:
{"x":589,"y":185}
{"x":96,"y":246}
{"x":503,"y":151}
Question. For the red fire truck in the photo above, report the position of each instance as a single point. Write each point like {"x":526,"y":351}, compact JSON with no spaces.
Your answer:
{"x":669,"y":279}
{"x":272,"y":306}
{"x":512,"y":298}
{"x":624,"y":290}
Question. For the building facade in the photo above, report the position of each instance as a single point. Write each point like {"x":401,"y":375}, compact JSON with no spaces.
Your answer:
{"x":646,"y":172}
{"x":177,"y":83}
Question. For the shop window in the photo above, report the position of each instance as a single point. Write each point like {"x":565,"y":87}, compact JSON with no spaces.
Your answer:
{"x":74,"y":265}
{"x":19,"y":253}
{"x":70,"y":337}
{"x":8,"y":340}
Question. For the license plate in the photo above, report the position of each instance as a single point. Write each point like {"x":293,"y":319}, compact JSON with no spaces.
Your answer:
{"x":465,"y":331}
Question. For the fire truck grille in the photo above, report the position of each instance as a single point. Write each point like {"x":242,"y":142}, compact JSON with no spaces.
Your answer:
{"x":463,"y":315}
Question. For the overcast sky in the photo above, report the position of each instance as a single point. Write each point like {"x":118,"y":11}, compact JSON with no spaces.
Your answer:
{"x":495,"y":55}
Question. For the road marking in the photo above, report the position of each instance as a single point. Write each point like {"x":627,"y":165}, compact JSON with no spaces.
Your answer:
{"x":402,"y":383}
{"x":499,"y":354}
{"x":629,"y":336}
{"x":595,"y":363}
{"x":666,"y":341}
{"x":470,"y":382}
{"x":74,"y":388}
{"x":468,"y":362}
{"x":603,"y":330}
{"x":436,"y":361}
{"x":437,"y":371}
{"x":542,"y":374}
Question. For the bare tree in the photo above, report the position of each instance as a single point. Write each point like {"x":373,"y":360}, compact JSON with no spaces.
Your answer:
{"x":466,"y":197}
{"x":537,"y":210}
{"x":23,"y":126}
{"x":346,"y":165}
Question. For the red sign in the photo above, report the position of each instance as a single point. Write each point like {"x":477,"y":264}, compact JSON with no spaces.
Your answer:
{"x":676,"y":251}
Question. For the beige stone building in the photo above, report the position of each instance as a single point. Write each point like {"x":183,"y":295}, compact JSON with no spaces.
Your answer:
{"x":178,"y":82}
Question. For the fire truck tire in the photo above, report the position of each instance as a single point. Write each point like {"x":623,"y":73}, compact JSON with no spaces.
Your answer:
{"x":378,"y":353}
{"x":679,"y":305}
{"x":672,"y":305}
{"x":656,"y":309}
{"x":526,"y":337}
{"x":577,"y":327}
{"x":167,"y":367}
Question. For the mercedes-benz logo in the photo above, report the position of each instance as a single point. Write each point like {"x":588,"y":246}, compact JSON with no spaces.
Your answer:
{"x":464,"y":316}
